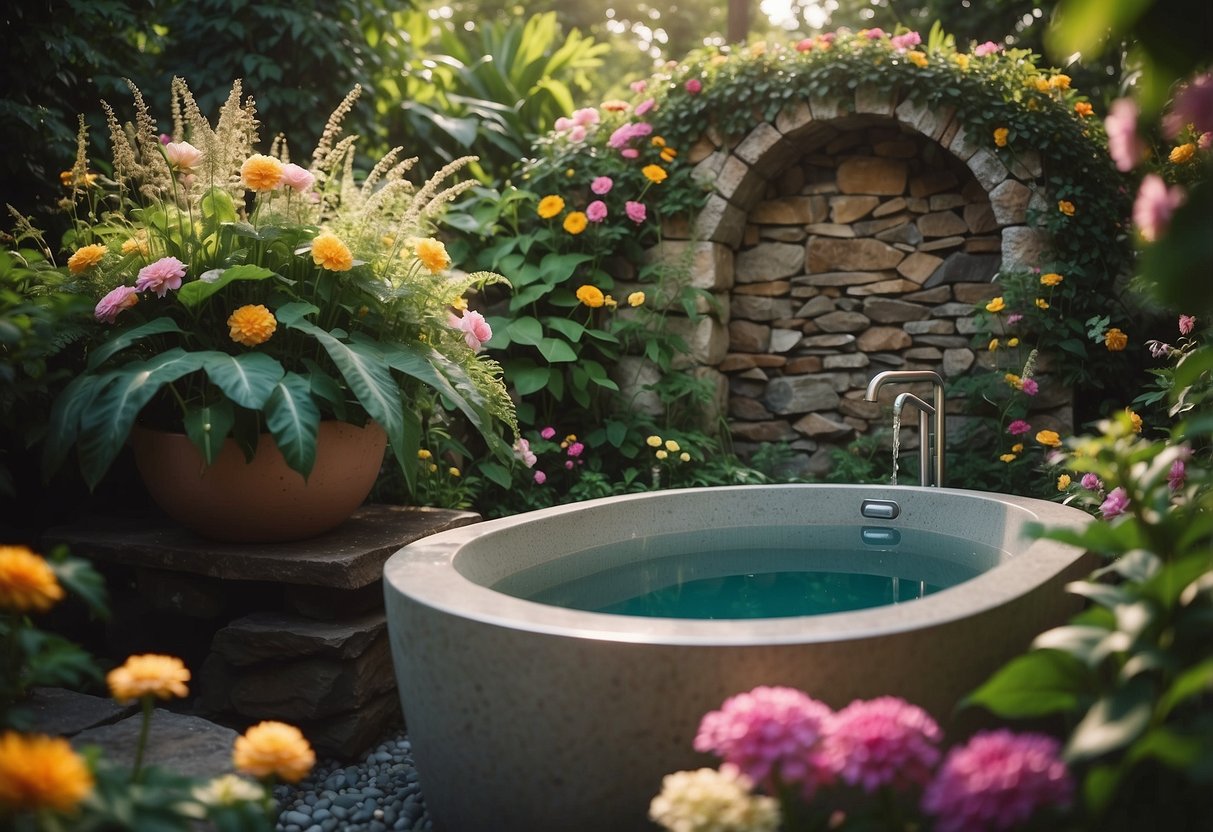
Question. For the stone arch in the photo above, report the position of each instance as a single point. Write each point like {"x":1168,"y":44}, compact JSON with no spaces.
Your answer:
{"x":804,"y":388}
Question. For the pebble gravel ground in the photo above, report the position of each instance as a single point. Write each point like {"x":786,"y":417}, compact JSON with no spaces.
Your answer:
{"x":376,"y":795}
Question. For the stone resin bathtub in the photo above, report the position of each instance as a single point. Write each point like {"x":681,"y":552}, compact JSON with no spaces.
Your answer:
{"x":528,"y":716}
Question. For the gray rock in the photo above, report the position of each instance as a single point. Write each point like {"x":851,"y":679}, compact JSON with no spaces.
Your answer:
{"x":62,"y":713}
{"x":187,"y":745}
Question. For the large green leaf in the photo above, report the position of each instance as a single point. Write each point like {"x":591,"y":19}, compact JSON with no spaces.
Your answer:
{"x":1034,"y":684}
{"x":294,"y":420}
{"x":105,"y":425}
{"x":65,"y":416}
{"x":247,"y":379}
{"x":208,"y":427}
{"x":156,"y":326}
{"x":1113,"y":721}
{"x":196,"y":291}
{"x":525,"y":330}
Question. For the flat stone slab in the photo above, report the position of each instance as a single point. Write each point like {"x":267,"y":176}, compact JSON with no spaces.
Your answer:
{"x":262,"y":636}
{"x":187,"y":745}
{"x":348,"y":557}
{"x":64,"y":713}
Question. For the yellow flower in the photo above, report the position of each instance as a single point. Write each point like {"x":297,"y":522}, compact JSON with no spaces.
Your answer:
{"x":422,"y":453}
{"x":459,"y":304}
{"x":432,"y":255}
{"x":1013,"y":380}
{"x":636,"y":299}
{"x":85,"y":258}
{"x":661,"y":454}
{"x":1041,"y":303}
{"x":1183,"y":153}
{"x":1135,"y":420}
{"x":27,"y":583}
{"x":671,"y":445}
{"x":575,"y":222}
{"x":550,"y":206}
{"x":432,"y":467}
{"x":609,"y":302}
{"x":668,"y":154}
{"x":657,"y":141}
{"x":251,"y":324}
{"x":917,"y":58}
{"x":149,"y":675}
{"x":1083,"y":108}
{"x":1000,"y":136}
{"x":261,"y":173}
{"x":993,"y":344}
{"x":1017,"y":448}
{"x":67,"y":179}
{"x":654,"y":173}
{"x":1008,"y":457}
{"x":961,"y":60}
{"x":570,"y":173}
{"x":1066,"y":207}
{"x":996,"y":305}
{"x":1014,"y":342}
{"x":453,"y":471}
{"x":1059,"y":82}
{"x":227,"y":790}
{"x":136,"y":244}
{"x":591,"y":296}
{"x":1115,"y":340}
{"x":572,"y":437}
{"x":41,"y":772}
{"x":1051,"y":279}
{"x":330,"y":253}
{"x":274,"y":748}
{"x":1063,"y":482}
{"x":653,"y":441}
{"x":1048,"y":437}
{"x":1041,"y":84}
{"x":684,"y":456}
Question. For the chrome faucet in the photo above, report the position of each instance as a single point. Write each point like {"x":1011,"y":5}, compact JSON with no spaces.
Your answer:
{"x":930,"y":460}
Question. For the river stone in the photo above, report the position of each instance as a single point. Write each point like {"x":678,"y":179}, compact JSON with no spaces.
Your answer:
{"x":782,"y":233}
{"x":759,"y":308}
{"x":937,"y":295}
{"x":846,"y":209}
{"x":831,"y":229}
{"x":890,"y":206}
{"x":800,"y":394}
{"x":264,"y":636}
{"x":743,"y":407}
{"x":1009,"y":203}
{"x":784,"y":340}
{"x":942,"y":224}
{"x":957,"y":361}
{"x":918,"y":267}
{"x":803,"y":365}
{"x":872,"y":175}
{"x":815,"y":306}
{"x":942,"y":243}
{"x":840,"y":321}
{"x":979,"y":217}
{"x":929,"y":327}
{"x":881,"y":339}
{"x":924,"y":354}
{"x":769,"y":261}
{"x":768,"y":431}
{"x":186,"y":745}
{"x":905,"y":232}
{"x":864,"y":255}
{"x":846,"y":361}
{"x":892,"y":310}
{"x":960,"y":267}
{"x":884,"y":287}
{"x":818,"y":426}
{"x":746,"y":336}
{"x":841,"y":278}
{"x":832,"y":341}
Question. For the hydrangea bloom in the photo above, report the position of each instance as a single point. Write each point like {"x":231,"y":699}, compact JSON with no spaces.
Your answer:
{"x":882,"y":742}
{"x":1115,"y":504}
{"x":997,"y":781}
{"x":768,"y":733}
{"x":296,"y":178}
{"x":708,"y":800}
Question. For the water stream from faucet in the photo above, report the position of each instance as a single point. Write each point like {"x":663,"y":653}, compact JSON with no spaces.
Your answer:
{"x":896,"y":444}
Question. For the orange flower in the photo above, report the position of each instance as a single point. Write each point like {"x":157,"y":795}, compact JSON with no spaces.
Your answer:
{"x":149,"y":675}
{"x":591,"y":296}
{"x":1000,"y":136}
{"x":668,"y":154}
{"x":27,"y":583}
{"x":1115,"y":340}
{"x":1066,"y":207}
{"x":85,"y":258}
{"x":1183,"y":153}
{"x":917,"y":58}
{"x":575,"y":222}
{"x":615,"y":105}
{"x":1063,"y":482}
{"x":274,"y":748}
{"x":996,"y":305}
{"x":654,"y":173}
{"x":1134,"y":420}
{"x":1083,"y":108}
{"x":1049,"y":438}
{"x":550,"y":206}
{"x":432,"y":255}
{"x":251,"y":324}
{"x":330,"y":253}
{"x":1059,"y":82}
{"x":1008,"y":457}
{"x":1051,"y":279}
{"x":1041,"y":84}
{"x":41,"y":772}
{"x":261,"y":173}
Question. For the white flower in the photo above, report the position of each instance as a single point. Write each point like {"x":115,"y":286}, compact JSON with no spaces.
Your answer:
{"x":228,"y":790}
{"x":711,"y":800}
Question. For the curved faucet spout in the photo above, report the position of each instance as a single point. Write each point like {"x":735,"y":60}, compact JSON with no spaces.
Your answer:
{"x":936,"y":409}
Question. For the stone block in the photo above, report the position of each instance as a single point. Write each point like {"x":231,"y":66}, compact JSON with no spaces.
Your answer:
{"x":708,"y":265}
{"x":759,"y":145}
{"x":326,"y":604}
{"x":751,"y":410}
{"x":349,"y":735}
{"x":846,"y":361}
{"x":904,"y":232}
{"x":961,"y":267}
{"x":768,"y":261}
{"x":720,"y":221}
{"x":774,"y":430}
{"x":1008,"y":203}
{"x":889,"y":206}
{"x":775,"y":288}
{"x":819,"y":426}
{"x":882,"y":339}
{"x":942,"y":224}
{"x":841,"y":278}
{"x":746,"y":336}
{"x":937,"y":295}
{"x":892,"y":310}
{"x":923,"y":354}
{"x":896,"y":148}
{"x":918,"y":267}
{"x":929,"y":120}
{"x":884,"y":287}
{"x":840,"y":321}
{"x":63,"y":713}
{"x":859,"y":408}
{"x":987,"y":168}
{"x":790,"y":210}
{"x":1026,"y":165}
{"x":963,"y":144}
{"x":957,"y":362}
{"x":795,"y":119}
{"x":831,"y":229}
{"x":872,"y":175}
{"x":269,"y":636}
{"x":784,"y":340}
{"x":928,"y":183}
{"x":1022,"y":248}
{"x":757,"y":308}
{"x":738,"y":183}
{"x":942,"y":244}
{"x":636,"y":378}
{"x":782,"y":233}
{"x":819,"y":305}
{"x":862,"y":255}
{"x":945,"y":202}
{"x":177,"y":593}
{"x":952,"y":310}
{"x":845,"y":140}
{"x":848,"y":208}
{"x":984,"y":245}
{"x":803,"y":365}
{"x":829,"y":107}
{"x":708,"y":169}
{"x":870,"y":98}
{"x":975,"y":292}
{"x":188,"y":746}
{"x":700,"y":150}
{"x":828,"y":342}
{"x":929,"y":327}
{"x":707,"y":340}
{"x":942,"y":341}
{"x":800,"y":394}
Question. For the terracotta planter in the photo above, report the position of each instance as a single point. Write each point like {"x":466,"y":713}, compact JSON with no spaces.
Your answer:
{"x":262,"y":500}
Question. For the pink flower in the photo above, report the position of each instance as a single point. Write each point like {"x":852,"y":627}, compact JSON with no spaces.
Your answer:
{"x":1154,"y":206}
{"x":475,"y":328}
{"x":873,"y":34}
{"x":1186,"y":322}
{"x":644,"y":106}
{"x":577,"y":134}
{"x":694,"y":86}
{"x":585,"y":117}
{"x":903,"y":42}
{"x":182,"y":155}
{"x":165,"y":138}
{"x":576,"y":449}
{"x":1019,"y":427}
{"x":1205,"y":141}
{"x":629,"y":153}
{"x":563,"y":124}
{"x":997,"y":781}
{"x":987,"y":48}
{"x":124,"y":297}
{"x":1124,"y":145}
{"x":1193,"y":105}
{"x":627,"y":132}
{"x":568,"y":463}
{"x":1158,"y":349}
{"x":1091,"y":482}
{"x":1030,"y":387}
{"x":164,"y":274}
{"x":1014,"y":318}
{"x":1114,"y":504}
{"x":1177,"y":475}
{"x":639,"y":86}
{"x":805,"y":45}
{"x":596,"y":211}
{"x":540,"y":478}
{"x":770,"y":733}
{"x":881,"y":742}
{"x":523,"y":452}
{"x":602,"y":185}
{"x":296,"y":178}
{"x":548,"y":432}
{"x":636,"y":211}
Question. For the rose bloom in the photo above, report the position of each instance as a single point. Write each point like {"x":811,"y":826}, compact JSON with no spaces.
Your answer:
{"x":86,"y":257}
{"x":182,"y":155}
{"x":1000,"y":136}
{"x":550,"y":206}
{"x":987,"y":48}
{"x":1066,"y":207}
{"x":115,"y":301}
{"x":164,"y":274}
{"x":1183,"y":153}
{"x":163,"y":677}
{"x":432,"y":255}
{"x":540,"y":478}
{"x":693,"y":86}
{"x":251,"y":324}
{"x":636,"y":211}
{"x":575,"y":222}
{"x":905,"y":41}
{"x":1186,"y":322}
{"x":996,"y":305}
{"x":1154,"y":206}
{"x":476,"y":330}
{"x":654,"y":173}
{"x":1049,"y":438}
{"x":1124,"y":145}
{"x":596,"y":211}
{"x":1091,"y":482}
{"x":296,"y":178}
{"x":1051,"y":279}
{"x":548,"y":432}
{"x":636,"y":299}
{"x":274,"y":749}
{"x":1083,"y":108}
{"x":27,"y":582}
{"x":1115,"y":340}
{"x":261,"y":173}
{"x":602,"y":185}
{"x":40,"y":772}
{"x":591,"y":296}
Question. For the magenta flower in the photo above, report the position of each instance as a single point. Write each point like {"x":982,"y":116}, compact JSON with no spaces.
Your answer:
{"x":805,"y":45}
{"x":873,"y":34}
{"x":576,"y":449}
{"x":694,"y":86}
{"x":585,"y":117}
{"x":1186,"y":322}
{"x":882,"y":742}
{"x":997,"y":781}
{"x":1014,"y":318}
{"x":903,"y":42}
{"x":1114,"y":504}
{"x":639,"y":86}
{"x":987,"y":48}
{"x":296,"y":178}
{"x":596,"y":211}
{"x":1205,"y":141}
{"x":630,"y":153}
{"x":548,"y":432}
{"x":1091,"y":482}
{"x":628,"y":132}
{"x":540,"y":478}
{"x":577,"y":134}
{"x":636,"y":211}
{"x":1124,"y":145}
{"x":770,"y":733}
{"x":568,"y":463}
{"x":123,"y":297}
{"x":1193,"y":105}
{"x":1154,"y":206}
{"x":602,"y":185}
{"x":1019,"y":427}
{"x":475,"y":328}
{"x":1177,"y":475}
{"x":1029,"y":387}
{"x":644,"y":106}
{"x":164,"y":274}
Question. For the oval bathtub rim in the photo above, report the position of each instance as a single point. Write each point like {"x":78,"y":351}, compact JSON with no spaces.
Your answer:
{"x":425,"y":574}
